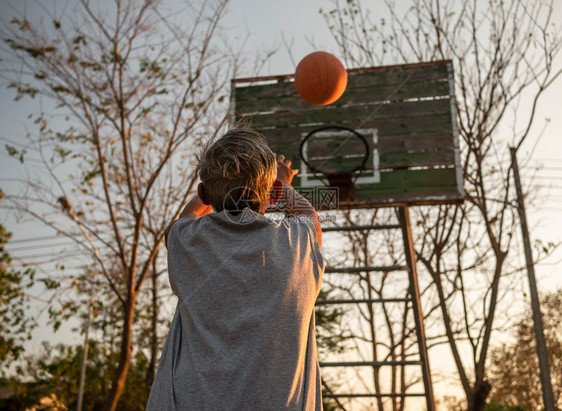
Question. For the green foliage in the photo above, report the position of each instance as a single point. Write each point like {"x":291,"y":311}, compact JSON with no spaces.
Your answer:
{"x":56,"y":370}
{"x":451,"y":403}
{"x":23,"y":90}
{"x":492,"y":406}
{"x":330,"y":336}
{"x":514,"y":369}
{"x":14,"y":152}
{"x":15,"y":325}
{"x":153,"y":68}
{"x":329,"y":404}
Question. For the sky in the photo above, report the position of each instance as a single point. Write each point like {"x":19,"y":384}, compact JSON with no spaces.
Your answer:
{"x":276,"y":24}
{"x":295,"y":29}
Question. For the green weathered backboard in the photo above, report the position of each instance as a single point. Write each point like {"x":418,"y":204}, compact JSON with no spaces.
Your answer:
{"x":406,"y":113}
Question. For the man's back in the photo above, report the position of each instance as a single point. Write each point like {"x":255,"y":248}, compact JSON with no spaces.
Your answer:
{"x":243,"y":333}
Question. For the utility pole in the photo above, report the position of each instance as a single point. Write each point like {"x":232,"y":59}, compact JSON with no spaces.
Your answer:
{"x":547,"y":394}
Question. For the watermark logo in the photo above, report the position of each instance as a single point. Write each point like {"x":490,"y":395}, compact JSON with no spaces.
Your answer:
{"x":277,"y":216}
{"x":239,"y":201}
{"x":321,"y":198}
{"x":238,"y":204}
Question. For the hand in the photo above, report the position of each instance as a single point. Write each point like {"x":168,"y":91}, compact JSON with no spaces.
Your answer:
{"x":284,"y":172}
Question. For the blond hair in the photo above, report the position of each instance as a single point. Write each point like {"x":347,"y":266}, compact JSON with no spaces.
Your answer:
{"x":237,"y":170}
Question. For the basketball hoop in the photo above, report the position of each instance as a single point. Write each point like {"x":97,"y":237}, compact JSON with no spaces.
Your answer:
{"x":340,"y":177}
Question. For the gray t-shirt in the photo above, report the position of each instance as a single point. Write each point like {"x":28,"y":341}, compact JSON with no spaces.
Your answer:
{"x":242,"y":337}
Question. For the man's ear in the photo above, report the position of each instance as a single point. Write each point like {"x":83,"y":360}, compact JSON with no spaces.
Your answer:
{"x":202,"y":194}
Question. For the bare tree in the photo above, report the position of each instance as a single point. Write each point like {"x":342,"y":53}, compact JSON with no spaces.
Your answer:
{"x":140,"y":89}
{"x":502,"y":52}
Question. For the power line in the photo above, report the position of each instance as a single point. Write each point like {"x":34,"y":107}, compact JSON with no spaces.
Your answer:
{"x":39,"y":246}
{"x":13,"y":143}
{"x":547,"y":186}
{"x":540,"y":167}
{"x":54,"y":255}
{"x":555,"y":178}
{"x":557,"y":160}
{"x":38,"y":264}
{"x":48,"y":237}
{"x":58,"y":236}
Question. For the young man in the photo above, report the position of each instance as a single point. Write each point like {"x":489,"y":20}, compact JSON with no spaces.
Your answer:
{"x":242,"y":337}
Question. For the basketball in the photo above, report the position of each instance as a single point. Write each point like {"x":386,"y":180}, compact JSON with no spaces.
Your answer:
{"x":320,"y":78}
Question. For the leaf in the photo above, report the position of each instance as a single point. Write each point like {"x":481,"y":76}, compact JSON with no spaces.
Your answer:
{"x":79,"y":40}
{"x":56,"y":325}
{"x":50,"y":284}
{"x":12,"y":151}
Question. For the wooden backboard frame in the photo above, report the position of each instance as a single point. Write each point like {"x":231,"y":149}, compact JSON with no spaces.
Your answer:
{"x":411,"y":110}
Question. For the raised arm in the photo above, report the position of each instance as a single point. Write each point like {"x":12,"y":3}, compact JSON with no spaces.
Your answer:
{"x":296,"y":203}
{"x":195,"y":209}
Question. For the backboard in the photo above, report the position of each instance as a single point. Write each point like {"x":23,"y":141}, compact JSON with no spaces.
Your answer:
{"x":394,"y":131}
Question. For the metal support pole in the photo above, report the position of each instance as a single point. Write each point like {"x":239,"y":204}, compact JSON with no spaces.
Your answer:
{"x":547,"y":394}
{"x":404,"y":216}
{"x":85,"y":356}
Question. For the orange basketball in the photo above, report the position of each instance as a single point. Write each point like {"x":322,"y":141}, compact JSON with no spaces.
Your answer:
{"x":320,"y":78}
